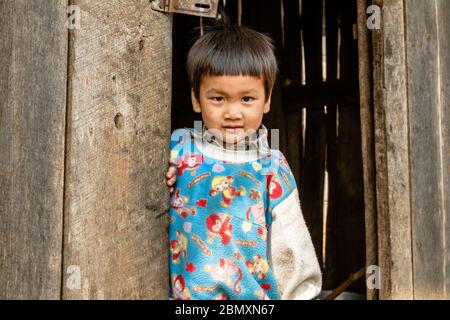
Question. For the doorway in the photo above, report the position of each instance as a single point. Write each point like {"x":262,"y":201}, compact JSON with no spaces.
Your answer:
{"x":315,"y":106}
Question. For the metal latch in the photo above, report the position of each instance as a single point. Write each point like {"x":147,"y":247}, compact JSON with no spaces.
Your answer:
{"x":203,"y":8}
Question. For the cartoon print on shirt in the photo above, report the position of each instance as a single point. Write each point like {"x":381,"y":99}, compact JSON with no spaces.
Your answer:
{"x":179,"y":288}
{"x":190,"y":267}
{"x":274,"y":187}
{"x":282,"y":162}
{"x":224,"y":271}
{"x":178,"y":247}
{"x":189,"y":162}
{"x":255,"y":194}
{"x":261,"y":295}
{"x":218,"y":168}
{"x":262,"y":233}
{"x":178,"y":203}
{"x":218,"y":225}
{"x":202,"y":203}
{"x":256,"y":166}
{"x":224,"y":185}
{"x":257,"y":212}
{"x":258,"y":266}
{"x":221,"y":296}
{"x":266,"y":286}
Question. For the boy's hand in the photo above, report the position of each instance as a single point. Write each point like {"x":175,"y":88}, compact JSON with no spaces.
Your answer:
{"x":171,"y":178}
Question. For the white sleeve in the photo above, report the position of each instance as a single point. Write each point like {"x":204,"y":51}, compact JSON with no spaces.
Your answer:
{"x":291,"y":252}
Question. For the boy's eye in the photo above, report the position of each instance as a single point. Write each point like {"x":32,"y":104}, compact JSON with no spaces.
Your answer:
{"x":247,"y":99}
{"x":217,"y":99}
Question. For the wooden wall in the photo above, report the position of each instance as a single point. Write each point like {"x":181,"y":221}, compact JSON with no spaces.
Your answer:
{"x":33,"y":65}
{"x":411,"y":54}
{"x":82,"y":190}
{"x":85,"y":123}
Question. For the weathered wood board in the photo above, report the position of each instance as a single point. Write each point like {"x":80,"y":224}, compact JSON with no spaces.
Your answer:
{"x":425,"y":110}
{"x":33,"y":68}
{"x":365,"y":72}
{"x":115,"y":226}
{"x":443,"y":12}
{"x":411,"y":54}
{"x":392,"y":154}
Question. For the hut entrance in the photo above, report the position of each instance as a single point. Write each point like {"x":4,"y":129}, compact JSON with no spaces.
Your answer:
{"x":315,"y":106}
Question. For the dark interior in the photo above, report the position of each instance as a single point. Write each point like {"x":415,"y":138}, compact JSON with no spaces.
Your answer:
{"x":315,"y":105}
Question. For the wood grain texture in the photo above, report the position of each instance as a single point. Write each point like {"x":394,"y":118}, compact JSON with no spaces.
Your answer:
{"x":365,"y":72}
{"x":115,"y":226}
{"x":33,"y":66}
{"x":392,"y":154}
{"x":425,"y":150}
{"x":443,"y":11}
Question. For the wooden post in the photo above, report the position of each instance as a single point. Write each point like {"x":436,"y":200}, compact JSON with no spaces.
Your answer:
{"x":425,"y":113}
{"x":392,"y":154}
{"x":118,"y":129}
{"x":411,"y":134}
{"x":365,"y":72}
{"x":84,"y":134}
{"x":33,"y":65}
{"x":443,"y":13}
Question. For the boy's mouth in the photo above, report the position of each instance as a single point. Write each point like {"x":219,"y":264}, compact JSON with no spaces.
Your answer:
{"x":233,"y":129}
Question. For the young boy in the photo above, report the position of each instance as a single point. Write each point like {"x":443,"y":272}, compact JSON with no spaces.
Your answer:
{"x":236,"y":231}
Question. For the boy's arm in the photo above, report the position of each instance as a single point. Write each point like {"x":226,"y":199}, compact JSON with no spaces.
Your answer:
{"x":291,"y":251}
{"x":294,"y":260}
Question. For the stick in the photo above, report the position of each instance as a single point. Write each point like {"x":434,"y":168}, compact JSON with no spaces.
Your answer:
{"x":353,"y":277}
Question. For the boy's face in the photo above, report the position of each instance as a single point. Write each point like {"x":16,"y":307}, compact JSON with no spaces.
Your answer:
{"x":234,"y":105}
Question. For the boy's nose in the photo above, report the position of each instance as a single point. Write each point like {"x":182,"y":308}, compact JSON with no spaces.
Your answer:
{"x":233,"y":111}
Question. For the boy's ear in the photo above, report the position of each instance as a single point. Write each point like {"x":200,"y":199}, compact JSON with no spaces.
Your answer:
{"x":267,"y":103}
{"x":195,"y":102}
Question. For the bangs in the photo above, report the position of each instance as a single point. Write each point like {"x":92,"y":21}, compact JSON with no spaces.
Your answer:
{"x":232,"y":51}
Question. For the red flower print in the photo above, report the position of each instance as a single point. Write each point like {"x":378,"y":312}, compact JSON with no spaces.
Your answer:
{"x":190,"y":267}
{"x":202,"y":203}
{"x":266,"y":286}
{"x":254,"y":194}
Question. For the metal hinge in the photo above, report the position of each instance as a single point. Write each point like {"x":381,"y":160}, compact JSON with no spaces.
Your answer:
{"x":203,"y":8}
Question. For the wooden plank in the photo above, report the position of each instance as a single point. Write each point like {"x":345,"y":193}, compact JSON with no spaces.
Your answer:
{"x":349,"y":201}
{"x":33,"y":65}
{"x":320,"y":94}
{"x":115,"y":226}
{"x":349,"y":197}
{"x":331,"y":16}
{"x":365,"y":71}
{"x":329,"y":276}
{"x":392,"y":154}
{"x":313,"y":169}
{"x":443,"y":10}
{"x":428,"y":235}
{"x":291,"y":66}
